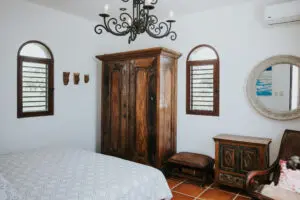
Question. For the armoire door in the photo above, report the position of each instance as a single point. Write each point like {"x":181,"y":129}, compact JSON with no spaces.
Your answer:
{"x":142,"y":118}
{"x":115,"y":109}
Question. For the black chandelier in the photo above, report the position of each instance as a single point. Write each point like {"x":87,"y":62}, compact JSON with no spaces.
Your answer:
{"x":139,"y":22}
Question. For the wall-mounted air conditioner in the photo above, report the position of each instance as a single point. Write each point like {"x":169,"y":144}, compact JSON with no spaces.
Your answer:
{"x":283,"y":12}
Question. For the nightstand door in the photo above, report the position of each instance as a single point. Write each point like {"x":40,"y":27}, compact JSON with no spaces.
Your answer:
{"x":229,"y":157}
{"x":249,"y":159}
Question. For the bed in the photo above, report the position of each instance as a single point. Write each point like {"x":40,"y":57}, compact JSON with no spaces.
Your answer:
{"x":72,"y":174}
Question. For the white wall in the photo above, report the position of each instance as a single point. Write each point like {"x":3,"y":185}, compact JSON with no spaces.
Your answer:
{"x":242,"y":41}
{"x":74,"y":45}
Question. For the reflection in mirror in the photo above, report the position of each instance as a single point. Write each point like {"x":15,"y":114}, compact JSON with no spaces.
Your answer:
{"x":277,"y":88}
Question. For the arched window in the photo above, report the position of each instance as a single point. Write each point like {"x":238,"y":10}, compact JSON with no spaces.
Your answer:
{"x":35,"y":80}
{"x":203,"y":81}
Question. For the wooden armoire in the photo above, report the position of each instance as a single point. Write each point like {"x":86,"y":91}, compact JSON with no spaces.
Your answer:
{"x":139,"y":105}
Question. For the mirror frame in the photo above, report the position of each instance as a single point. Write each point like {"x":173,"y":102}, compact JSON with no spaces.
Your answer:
{"x":251,"y":87}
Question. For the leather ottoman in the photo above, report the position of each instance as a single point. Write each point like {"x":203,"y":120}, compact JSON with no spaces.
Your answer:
{"x":192,"y":166}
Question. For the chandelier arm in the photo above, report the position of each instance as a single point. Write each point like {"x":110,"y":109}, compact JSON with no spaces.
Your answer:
{"x":156,"y":32}
{"x":99,"y":28}
{"x":155,"y":28}
{"x":173,"y":35}
{"x":117,"y":27}
{"x":125,"y":18}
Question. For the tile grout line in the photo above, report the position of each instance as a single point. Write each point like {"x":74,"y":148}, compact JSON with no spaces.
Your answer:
{"x":178,"y":184}
{"x":204,"y":191}
{"x":184,"y":194}
{"x":236,"y":196}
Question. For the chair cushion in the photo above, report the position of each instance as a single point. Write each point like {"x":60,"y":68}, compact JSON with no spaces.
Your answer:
{"x":289,"y":179}
{"x":192,"y":160}
{"x":278,"y":193}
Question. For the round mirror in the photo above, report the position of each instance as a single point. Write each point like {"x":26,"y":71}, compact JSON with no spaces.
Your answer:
{"x":273,"y":87}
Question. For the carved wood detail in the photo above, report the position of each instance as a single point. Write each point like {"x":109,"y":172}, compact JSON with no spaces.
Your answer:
{"x":249,"y":159}
{"x":237,"y":155}
{"x":232,"y":180}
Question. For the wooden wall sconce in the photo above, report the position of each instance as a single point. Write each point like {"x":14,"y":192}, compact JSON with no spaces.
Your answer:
{"x":66,"y":78}
{"x":76,"y":78}
{"x":86,"y":78}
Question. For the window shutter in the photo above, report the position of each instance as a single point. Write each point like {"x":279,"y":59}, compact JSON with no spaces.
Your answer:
{"x":203,"y":81}
{"x":35,"y":87}
{"x":202,"y":87}
{"x":35,"y":80}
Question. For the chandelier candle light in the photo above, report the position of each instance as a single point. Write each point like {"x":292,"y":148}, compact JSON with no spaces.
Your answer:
{"x":139,"y":22}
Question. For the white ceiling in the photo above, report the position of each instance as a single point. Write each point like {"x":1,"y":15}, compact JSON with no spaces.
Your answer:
{"x":90,"y":9}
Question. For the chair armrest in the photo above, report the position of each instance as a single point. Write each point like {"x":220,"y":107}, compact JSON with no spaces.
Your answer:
{"x":250,"y":181}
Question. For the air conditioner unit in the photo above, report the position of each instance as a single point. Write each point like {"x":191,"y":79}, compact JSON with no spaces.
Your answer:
{"x":283,"y":12}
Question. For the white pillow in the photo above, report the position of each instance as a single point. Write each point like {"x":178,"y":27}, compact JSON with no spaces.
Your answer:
{"x":7,"y":192}
{"x":289,"y":179}
{"x":278,"y":193}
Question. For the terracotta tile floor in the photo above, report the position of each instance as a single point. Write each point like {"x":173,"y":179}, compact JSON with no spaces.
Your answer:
{"x":185,"y":190}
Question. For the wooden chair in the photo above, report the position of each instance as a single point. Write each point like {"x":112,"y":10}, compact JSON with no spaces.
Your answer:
{"x":290,"y":146}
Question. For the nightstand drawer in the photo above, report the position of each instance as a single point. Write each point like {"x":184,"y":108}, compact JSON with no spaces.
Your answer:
{"x":231,"y":180}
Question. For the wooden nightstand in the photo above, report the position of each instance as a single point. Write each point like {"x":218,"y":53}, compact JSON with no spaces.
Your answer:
{"x":237,"y":155}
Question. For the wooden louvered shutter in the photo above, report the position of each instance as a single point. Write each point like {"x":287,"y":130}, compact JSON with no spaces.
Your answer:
{"x":35,"y":80}
{"x":203,"y":83}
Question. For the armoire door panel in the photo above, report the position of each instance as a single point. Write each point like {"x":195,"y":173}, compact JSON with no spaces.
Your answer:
{"x":141,"y":113}
{"x":152,"y":118}
{"x":117,"y":142}
{"x":142,"y":130}
{"x":115,"y":110}
{"x":167,"y":109}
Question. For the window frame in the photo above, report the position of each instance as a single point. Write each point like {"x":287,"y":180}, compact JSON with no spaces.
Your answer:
{"x":216,"y":82}
{"x":50,"y":64}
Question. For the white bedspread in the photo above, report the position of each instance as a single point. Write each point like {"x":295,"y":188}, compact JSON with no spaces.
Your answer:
{"x":81,"y":175}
